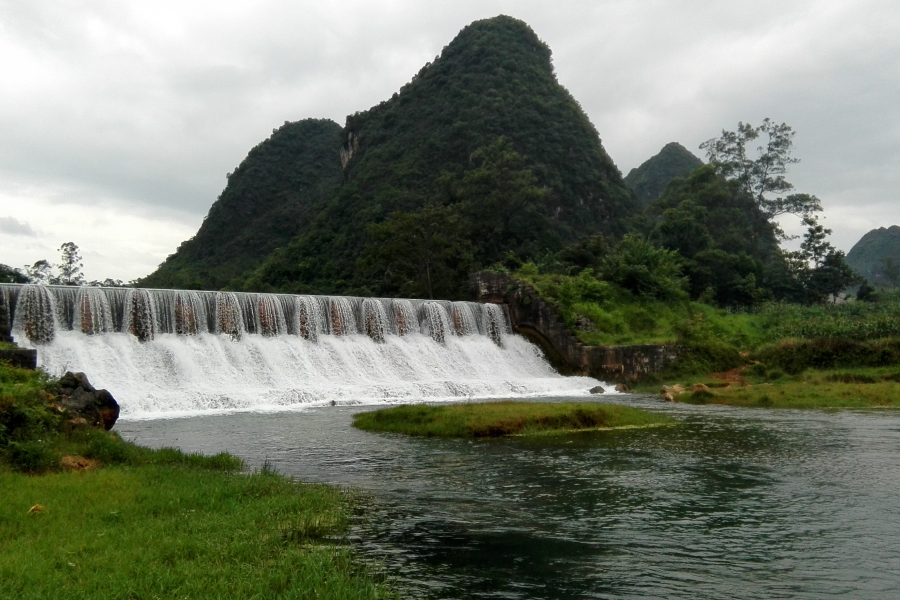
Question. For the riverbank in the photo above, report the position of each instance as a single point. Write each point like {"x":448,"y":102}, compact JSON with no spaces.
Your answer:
{"x":88,"y":515}
{"x":497,"y":419}
{"x":750,"y":387}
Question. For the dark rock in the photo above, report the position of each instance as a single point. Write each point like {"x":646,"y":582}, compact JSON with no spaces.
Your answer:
{"x":82,"y":401}
{"x":597,"y":390}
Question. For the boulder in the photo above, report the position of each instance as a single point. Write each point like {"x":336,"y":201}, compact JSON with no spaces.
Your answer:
{"x":622,"y":388}
{"x":81,"y":400}
{"x":670,"y":393}
{"x":597,"y":390}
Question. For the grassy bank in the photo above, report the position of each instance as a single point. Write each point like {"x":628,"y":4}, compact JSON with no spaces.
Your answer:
{"x":832,"y":388}
{"x":495,"y":419}
{"x":85,"y":514}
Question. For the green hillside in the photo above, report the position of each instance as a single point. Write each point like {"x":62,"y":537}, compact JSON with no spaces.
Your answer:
{"x":649,"y":180}
{"x":877,"y":256}
{"x":274,"y":193}
{"x":483,"y":149}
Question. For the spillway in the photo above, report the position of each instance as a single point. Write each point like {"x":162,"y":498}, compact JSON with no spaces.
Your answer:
{"x":171,"y":353}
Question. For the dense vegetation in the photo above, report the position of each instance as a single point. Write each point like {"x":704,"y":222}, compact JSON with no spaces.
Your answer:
{"x":877,"y":256}
{"x":274,"y":194}
{"x":650,"y":179}
{"x":88,"y":515}
{"x":483,"y":144}
{"x":496,"y":419}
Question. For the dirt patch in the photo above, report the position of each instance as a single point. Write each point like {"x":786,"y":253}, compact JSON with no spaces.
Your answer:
{"x":73,"y":462}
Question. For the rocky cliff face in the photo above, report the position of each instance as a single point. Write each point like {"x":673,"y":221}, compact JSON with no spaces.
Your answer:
{"x":536,"y":320}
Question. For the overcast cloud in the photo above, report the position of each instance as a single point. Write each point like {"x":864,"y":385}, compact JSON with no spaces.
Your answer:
{"x":119,"y":120}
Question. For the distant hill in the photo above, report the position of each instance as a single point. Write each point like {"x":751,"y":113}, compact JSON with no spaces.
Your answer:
{"x":874,"y":254}
{"x":650,"y":179}
{"x":493,"y":87}
{"x":272,"y":194}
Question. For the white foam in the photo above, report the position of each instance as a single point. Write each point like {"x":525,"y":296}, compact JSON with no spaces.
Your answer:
{"x":175,"y":375}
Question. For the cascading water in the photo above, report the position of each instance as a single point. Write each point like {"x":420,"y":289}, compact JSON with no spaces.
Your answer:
{"x":34,"y":314}
{"x":341,"y":316}
{"x":92,"y":312}
{"x":405,"y":321}
{"x":229,"y":316}
{"x":493,"y":321}
{"x":165,"y":353}
{"x":374,"y":319}
{"x":463,"y":320}
{"x":308,"y":324}
{"x":435,"y":321}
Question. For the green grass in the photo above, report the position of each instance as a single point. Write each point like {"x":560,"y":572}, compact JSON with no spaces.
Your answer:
{"x":599,"y":313}
{"x":495,"y":419}
{"x":175,"y":532}
{"x":147,"y":523}
{"x":842,"y":388}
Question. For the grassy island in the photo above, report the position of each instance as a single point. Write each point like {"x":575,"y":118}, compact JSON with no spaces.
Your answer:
{"x":85,"y":514}
{"x":496,"y":419}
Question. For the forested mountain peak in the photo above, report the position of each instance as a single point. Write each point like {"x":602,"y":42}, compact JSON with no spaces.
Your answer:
{"x":649,"y":180}
{"x":876,"y":256}
{"x":484,"y":140}
{"x":279,"y":185}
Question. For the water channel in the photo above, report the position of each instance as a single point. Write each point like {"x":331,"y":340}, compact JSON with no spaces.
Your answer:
{"x":730,"y":503}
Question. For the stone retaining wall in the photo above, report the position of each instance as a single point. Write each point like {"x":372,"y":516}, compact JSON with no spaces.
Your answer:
{"x":17,"y":357}
{"x":535,"y":319}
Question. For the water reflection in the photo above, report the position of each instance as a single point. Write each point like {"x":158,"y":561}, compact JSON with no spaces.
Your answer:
{"x":732,"y":503}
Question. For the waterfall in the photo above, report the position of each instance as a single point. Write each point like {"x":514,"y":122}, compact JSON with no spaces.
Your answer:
{"x":92,"y":312}
{"x":341,"y":316}
{"x":374,"y":319}
{"x":308,"y":318}
{"x":34,"y":314}
{"x":229,"y":316}
{"x":435,"y":321}
{"x":166,"y":353}
{"x":494,"y":323}
{"x":464,"y":322}
{"x":405,"y":321}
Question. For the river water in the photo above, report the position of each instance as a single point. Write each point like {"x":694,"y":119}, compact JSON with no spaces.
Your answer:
{"x":729,"y":503}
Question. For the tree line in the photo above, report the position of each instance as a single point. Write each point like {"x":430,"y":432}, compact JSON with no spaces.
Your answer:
{"x":68,"y":271}
{"x":712,"y":235}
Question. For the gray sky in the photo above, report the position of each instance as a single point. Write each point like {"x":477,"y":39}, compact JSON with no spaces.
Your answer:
{"x":120,"y":119}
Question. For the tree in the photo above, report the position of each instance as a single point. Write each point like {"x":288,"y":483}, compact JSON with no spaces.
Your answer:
{"x":41,"y":272}
{"x":638,"y":266}
{"x":504,"y":205}
{"x":12,"y":275}
{"x":70,"y":265}
{"x":764,"y":176}
{"x":420,"y":252}
{"x":827,"y":273}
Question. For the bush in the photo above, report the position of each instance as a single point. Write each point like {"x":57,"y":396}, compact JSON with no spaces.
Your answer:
{"x":33,"y":456}
{"x":795,"y":356}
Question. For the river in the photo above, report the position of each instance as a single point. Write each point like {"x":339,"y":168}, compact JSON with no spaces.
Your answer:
{"x":729,"y":503}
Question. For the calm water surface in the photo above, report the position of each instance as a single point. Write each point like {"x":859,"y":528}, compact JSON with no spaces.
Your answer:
{"x":731,"y":503}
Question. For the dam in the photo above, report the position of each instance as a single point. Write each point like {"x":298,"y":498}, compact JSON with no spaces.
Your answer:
{"x":174,"y":353}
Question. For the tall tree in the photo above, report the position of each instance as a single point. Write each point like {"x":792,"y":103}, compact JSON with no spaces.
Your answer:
{"x":70,"y":265}
{"x":762,"y":177}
